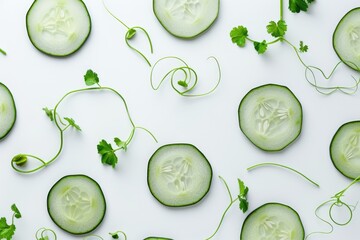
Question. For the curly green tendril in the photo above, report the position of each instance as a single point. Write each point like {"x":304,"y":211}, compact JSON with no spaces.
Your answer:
{"x":64,"y":123}
{"x":188,"y":78}
{"x":335,"y":202}
{"x":130,"y":34}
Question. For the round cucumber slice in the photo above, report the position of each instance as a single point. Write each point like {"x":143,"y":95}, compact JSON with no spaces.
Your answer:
{"x":273,"y":221}
{"x":179,"y":175}
{"x":76,"y":204}
{"x":345,"y":149}
{"x":186,"y":18}
{"x":58,"y":27}
{"x":7,"y":111}
{"x":270,"y":116}
{"x":346,"y":39}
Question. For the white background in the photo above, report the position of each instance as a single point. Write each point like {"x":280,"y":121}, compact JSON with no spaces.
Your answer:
{"x":210,"y":123}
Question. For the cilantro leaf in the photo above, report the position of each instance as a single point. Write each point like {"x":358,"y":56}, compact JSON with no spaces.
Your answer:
{"x":260,"y":47}
{"x":107,"y":153}
{"x":91,"y":78}
{"x":6,"y":231}
{"x":303,"y":48}
{"x":49,"y":113}
{"x":238,"y":35}
{"x":296,"y":6}
{"x":120,"y":143}
{"x":244,"y":204}
{"x":277,"y":29}
{"x":16,"y":211}
{"x":72,"y":123}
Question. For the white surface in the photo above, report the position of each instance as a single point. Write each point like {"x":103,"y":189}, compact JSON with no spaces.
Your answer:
{"x":210,"y":123}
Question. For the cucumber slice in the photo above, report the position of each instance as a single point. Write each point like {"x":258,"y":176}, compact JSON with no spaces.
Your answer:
{"x":270,"y":116}
{"x":157,"y":238}
{"x":76,"y":204}
{"x":346,"y":39}
{"x":179,"y":175}
{"x":273,"y":221}
{"x":186,"y":18}
{"x":7,"y":111}
{"x":345,"y":149}
{"x":58,"y":27}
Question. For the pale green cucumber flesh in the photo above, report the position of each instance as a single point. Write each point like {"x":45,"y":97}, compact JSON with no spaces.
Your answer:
{"x":179,"y":175}
{"x":270,"y":116}
{"x":345,"y":149}
{"x":58,"y":27}
{"x":7,"y":111}
{"x":273,"y":221}
{"x":346,"y":39}
{"x":186,"y":18}
{"x":76,"y":204}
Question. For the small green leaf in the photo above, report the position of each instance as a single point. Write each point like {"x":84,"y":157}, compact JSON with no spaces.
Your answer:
{"x":20,"y":160}
{"x":296,"y":6}
{"x":277,"y":29}
{"x":72,"y":123}
{"x":244,"y":204}
{"x":303,"y":48}
{"x":260,"y":47}
{"x":120,"y":143}
{"x":107,"y":153}
{"x":183,"y":83}
{"x":131,"y":33}
{"x":16,"y":211}
{"x":114,"y":235}
{"x":6,"y":231}
{"x":91,"y":78}
{"x":238,"y":35}
{"x":49,"y":113}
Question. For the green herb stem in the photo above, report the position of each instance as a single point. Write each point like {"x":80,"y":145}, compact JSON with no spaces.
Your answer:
{"x":282,"y":166}
{"x":281,"y":9}
{"x":113,"y":15}
{"x":2,"y":52}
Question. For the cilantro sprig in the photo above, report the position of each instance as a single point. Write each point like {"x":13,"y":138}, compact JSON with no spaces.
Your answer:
{"x":91,"y":78}
{"x":7,"y":231}
{"x":241,"y":197}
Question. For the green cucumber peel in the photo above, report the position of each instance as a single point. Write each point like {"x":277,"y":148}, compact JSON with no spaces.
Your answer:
{"x":131,"y":33}
{"x":282,"y":166}
{"x":188,"y":80}
{"x":277,"y":29}
{"x":19,"y":161}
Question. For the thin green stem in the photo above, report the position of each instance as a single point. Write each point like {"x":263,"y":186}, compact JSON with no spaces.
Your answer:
{"x":113,"y":15}
{"x":123,"y":233}
{"x":42,"y":233}
{"x":2,"y":52}
{"x":282,"y":166}
{"x":281,"y":9}
{"x":129,"y":37}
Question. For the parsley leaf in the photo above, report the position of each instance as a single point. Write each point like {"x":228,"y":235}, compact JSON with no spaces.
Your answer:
{"x":49,"y":113}
{"x":91,"y":78}
{"x":72,"y":123}
{"x":107,"y":153}
{"x":238,"y":35}
{"x":296,"y":6}
{"x":277,"y":29}
{"x":244,"y":204}
{"x":120,"y":143}
{"x":16,"y":211}
{"x":260,"y":47}
{"x":303,"y":48}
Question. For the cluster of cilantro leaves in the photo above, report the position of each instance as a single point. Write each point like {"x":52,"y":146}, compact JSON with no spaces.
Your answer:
{"x":297,"y":6}
{"x":7,"y":231}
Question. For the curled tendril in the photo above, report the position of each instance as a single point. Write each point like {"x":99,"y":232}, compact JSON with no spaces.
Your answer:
{"x":311,"y":78}
{"x":188,"y":80}
{"x":43,"y":234}
{"x":2,"y":52}
{"x":335,"y":201}
{"x":115,"y":235}
{"x":131,"y":33}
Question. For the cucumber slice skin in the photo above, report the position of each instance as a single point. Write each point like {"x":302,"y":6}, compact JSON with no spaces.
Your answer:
{"x":157,"y":238}
{"x":54,"y":54}
{"x":272,"y":204}
{"x":299,"y":120}
{"x":3,"y":87}
{"x":334,"y":38}
{"x":185,"y":204}
{"x":76,"y":176}
{"x":334,"y":143}
{"x":185,"y":37}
